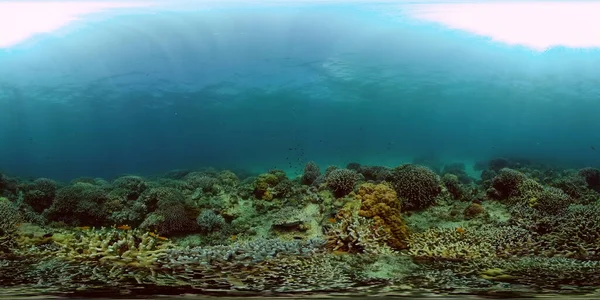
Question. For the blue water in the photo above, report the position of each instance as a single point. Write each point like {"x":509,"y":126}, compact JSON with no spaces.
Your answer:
{"x":261,"y":87}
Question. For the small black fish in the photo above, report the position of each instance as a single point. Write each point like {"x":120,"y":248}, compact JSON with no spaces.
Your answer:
{"x":593,"y":148}
{"x":47,"y":235}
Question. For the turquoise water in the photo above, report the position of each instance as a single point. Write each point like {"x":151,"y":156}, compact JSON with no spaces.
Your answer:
{"x":148,"y":90}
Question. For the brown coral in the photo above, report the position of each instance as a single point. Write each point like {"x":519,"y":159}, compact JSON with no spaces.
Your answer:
{"x":380,"y":202}
{"x":473,"y":210}
{"x":416,"y":185}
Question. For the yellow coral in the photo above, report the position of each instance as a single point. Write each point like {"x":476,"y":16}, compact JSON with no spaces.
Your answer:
{"x":262,"y":185}
{"x":380,"y":202}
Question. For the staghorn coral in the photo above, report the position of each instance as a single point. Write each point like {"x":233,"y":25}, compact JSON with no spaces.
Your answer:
{"x":380,"y":203}
{"x":416,"y":185}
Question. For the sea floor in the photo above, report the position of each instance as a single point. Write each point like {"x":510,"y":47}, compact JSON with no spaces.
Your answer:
{"x":514,"y":231}
{"x":90,"y":280}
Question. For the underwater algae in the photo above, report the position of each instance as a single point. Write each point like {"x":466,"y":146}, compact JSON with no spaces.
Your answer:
{"x":521,"y":229}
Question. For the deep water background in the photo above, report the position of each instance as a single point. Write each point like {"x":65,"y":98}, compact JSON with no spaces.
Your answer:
{"x":276,"y":86}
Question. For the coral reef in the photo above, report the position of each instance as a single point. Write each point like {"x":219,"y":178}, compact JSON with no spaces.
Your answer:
{"x":79,"y":204}
{"x":341,"y":181}
{"x":416,"y":185}
{"x":9,"y":219}
{"x":381,"y":203}
{"x":520,"y":225}
{"x":311,"y":173}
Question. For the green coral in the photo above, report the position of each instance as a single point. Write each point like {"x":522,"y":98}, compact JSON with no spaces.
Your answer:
{"x":133,"y":186}
{"x":79,"y":204}
{"x":265,"y":183}
{"x":9,"y":219}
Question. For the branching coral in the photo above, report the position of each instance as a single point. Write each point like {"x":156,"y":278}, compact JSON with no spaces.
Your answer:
{"x":576,"y":187}
{"x":202,"y":182}
{"x":507,"y":182}
{"x":547,"y":272}
{"x":133,"y":185}
{"x":576,"y":233}
{"x":550,"y":200}
{"x":40,"y":193}
{"x":172,"y":214}
{"x":311,"y":173}
{"x":454,"y":186}
{"x":470,"y":243}
{"x":450,"y":244}
{"x":341,"y":181}
{"x":9,"y":219}
{"x":380,"y":203}
{"x":228,"y":178}
{"x":209,"y":221}
{"x":592,"y":177}
{"x":356,"y":234}
{"x":415,"y":184}
{"x":516,"y":188}
{"x":123,"y":250}
{"x":79,"y":204}
{"x":375,"y":173}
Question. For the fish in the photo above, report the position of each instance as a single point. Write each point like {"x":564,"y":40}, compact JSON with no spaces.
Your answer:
{"x":124,"y":227}
{"x":83,"y":227}
{"x":460,"y":230}
{"x":154,"y":235}
{"x":593,"y":148}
